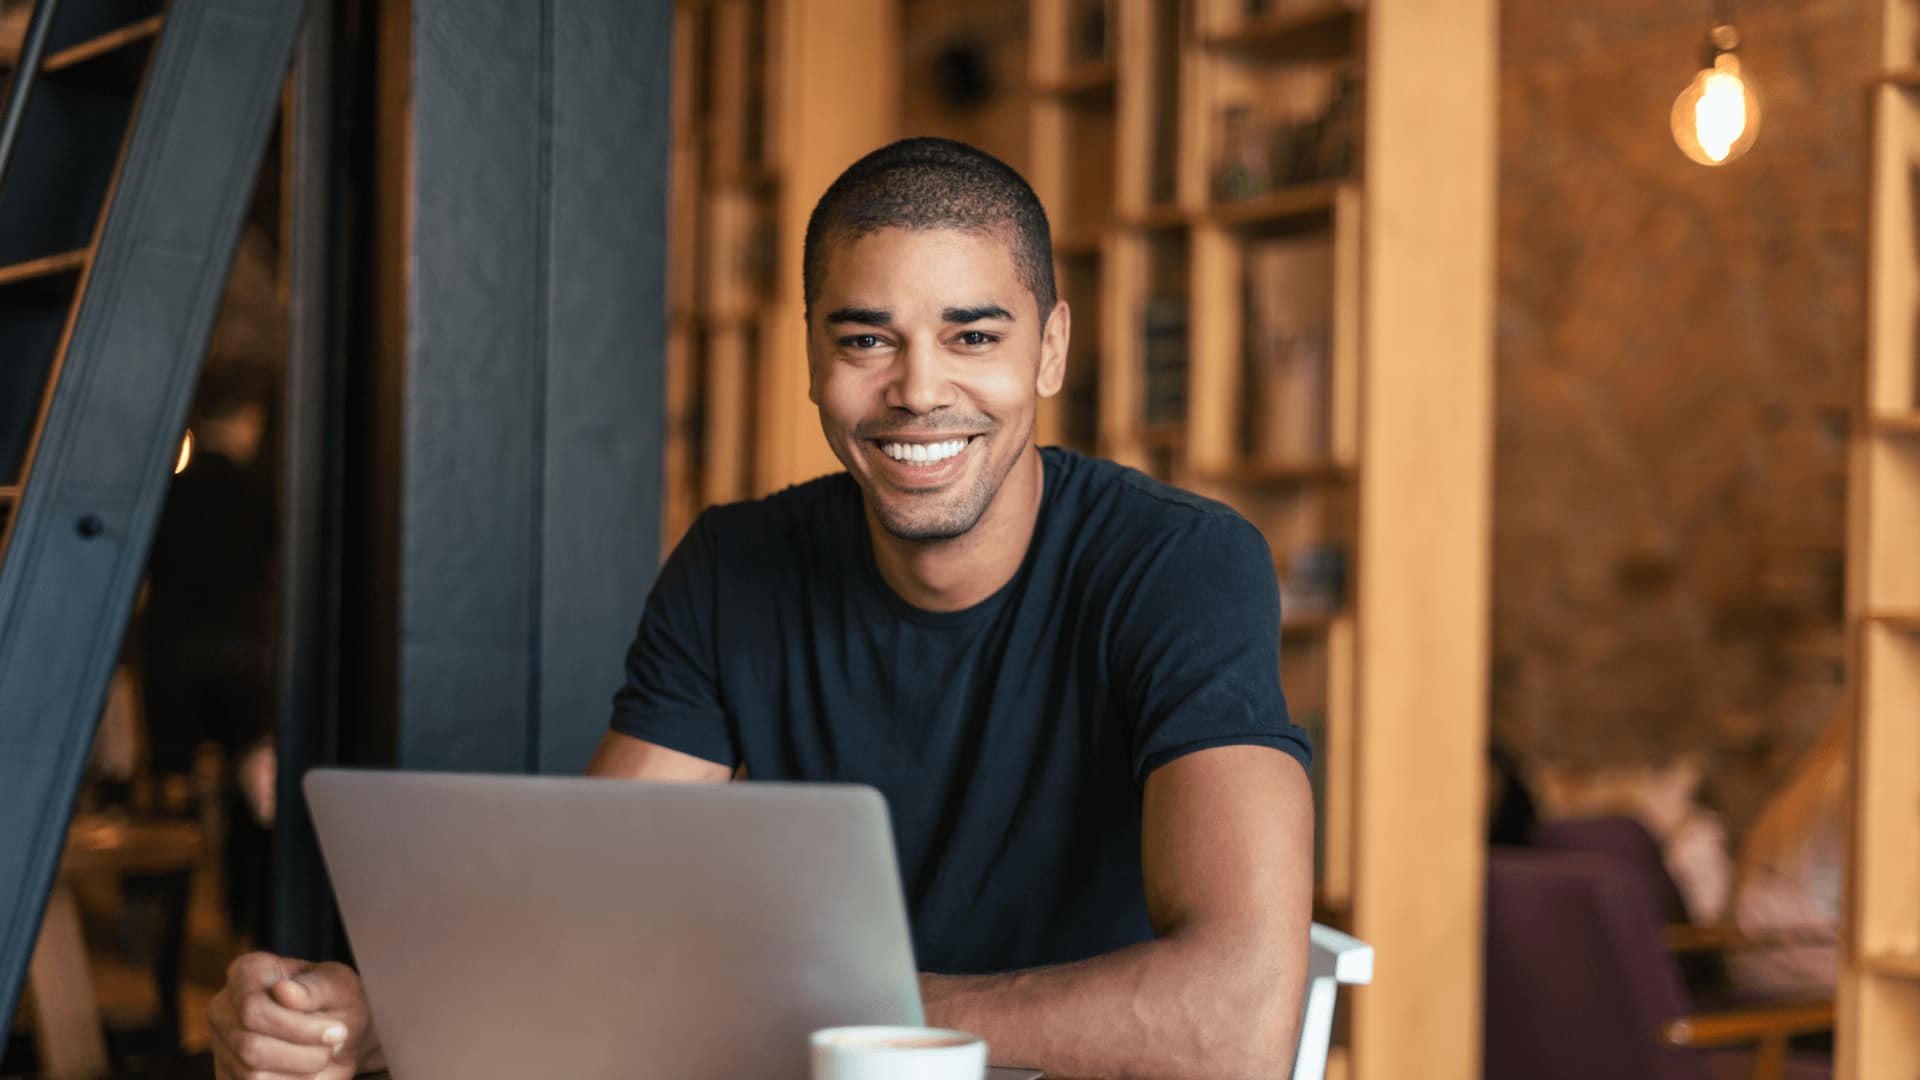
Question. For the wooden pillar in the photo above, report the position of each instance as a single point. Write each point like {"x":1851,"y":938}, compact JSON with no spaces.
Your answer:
{"x":1426,"y":441}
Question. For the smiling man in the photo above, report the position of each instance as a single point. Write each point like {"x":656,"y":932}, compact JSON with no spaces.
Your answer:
{"x":1063,"y":675}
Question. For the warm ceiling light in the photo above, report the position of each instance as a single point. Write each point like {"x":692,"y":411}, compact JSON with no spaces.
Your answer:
{"x":186,"y":453}
{"x":1716,"y":118}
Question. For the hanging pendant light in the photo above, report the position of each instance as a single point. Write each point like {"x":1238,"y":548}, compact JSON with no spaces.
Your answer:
{"x":1717,"y":116}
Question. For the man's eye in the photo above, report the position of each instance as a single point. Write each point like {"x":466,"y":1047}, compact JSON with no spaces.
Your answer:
{"x":862,"y":341}
{"x":977,"y":338}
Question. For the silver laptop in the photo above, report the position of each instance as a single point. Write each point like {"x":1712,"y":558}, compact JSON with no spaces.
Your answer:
{"x":511,"y":926}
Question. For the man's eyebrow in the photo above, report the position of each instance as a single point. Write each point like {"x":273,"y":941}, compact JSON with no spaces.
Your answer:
{"x":976,"y":314}
{"x":863,"y":316}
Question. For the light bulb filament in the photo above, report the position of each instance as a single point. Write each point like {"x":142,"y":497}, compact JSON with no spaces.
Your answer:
{"x":1720,"y":116}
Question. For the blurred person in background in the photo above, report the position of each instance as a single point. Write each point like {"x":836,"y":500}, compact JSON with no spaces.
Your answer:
{"x":209,"y":652}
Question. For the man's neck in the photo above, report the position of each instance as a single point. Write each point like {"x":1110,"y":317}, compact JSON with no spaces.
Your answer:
{"x":951,"y":575}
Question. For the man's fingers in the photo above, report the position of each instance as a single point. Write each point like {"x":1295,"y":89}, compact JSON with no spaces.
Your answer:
{"x":263,"y":1053}
{"x":322,"y":988}
{"x":262,"y":1014}
{"x":259,"y":970}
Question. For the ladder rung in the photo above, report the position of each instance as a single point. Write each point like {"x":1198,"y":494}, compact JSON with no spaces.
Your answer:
{"x":51,"y":266}
{"x":9,"y":493}
{"x":75,"y":55}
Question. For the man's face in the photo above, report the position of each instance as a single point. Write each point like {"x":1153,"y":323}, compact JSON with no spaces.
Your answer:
{"x":928,"y":356}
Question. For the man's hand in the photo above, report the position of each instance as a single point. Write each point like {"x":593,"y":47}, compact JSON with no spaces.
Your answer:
{"x":287,"y":1018}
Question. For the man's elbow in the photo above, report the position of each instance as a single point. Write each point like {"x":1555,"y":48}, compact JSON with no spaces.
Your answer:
{"x":1252,"y":1011}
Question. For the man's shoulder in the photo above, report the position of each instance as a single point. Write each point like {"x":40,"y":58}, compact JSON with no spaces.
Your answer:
{"x":781,"y":529}
{"x":1119,"y":499}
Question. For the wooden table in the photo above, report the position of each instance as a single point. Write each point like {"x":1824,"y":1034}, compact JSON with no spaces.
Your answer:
{"x":66,"y":1019}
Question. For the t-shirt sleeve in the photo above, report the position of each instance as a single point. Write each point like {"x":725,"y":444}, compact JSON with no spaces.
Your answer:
{"x":671,"y":696}
{"x":1197,"y":648}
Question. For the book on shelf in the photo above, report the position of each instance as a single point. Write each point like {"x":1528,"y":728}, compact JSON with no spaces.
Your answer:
{"x":1303,"y":129}
{"x":1166,"y":360}
{"x":1288,"y":350}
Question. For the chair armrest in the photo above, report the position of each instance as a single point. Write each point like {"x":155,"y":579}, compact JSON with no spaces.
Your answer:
{"x":1341,"y":957}
{"x":1723,"y":937}
{"x":1711,"y":1031}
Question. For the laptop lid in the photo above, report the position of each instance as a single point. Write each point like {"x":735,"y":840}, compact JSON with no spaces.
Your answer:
{"x":512,"y":926}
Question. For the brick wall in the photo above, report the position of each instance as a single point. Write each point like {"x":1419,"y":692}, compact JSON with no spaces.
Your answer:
{"x":1678,"y":349}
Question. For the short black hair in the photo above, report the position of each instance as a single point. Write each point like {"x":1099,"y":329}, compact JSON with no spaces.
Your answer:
{"x":929,"y":183}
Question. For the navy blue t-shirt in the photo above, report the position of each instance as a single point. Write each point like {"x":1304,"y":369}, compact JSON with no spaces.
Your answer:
{"x":1011,"y":739}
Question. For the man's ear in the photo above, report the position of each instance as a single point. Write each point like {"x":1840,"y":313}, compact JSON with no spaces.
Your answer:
{"x":813,"y":365}
{"x":1053,"y":350}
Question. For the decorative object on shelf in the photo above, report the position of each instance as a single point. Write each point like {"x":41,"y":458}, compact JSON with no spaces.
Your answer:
{"x":1243,"y":171}
{"x":1088,"y":34}
{"x":1289,"y":331}
{"x":1263,"y":148}
{"x":1315,"y":582}
{"x":963,"y":74}
{"x":1166,"y":360}
{"x":1717,"y":117}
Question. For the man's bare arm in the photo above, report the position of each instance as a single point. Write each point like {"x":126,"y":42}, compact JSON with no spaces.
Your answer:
{"x":624,"y":757}
{"x":1227,"y":855}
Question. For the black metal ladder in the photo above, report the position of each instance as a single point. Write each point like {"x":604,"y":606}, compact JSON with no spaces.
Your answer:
{"x":131,"y":137}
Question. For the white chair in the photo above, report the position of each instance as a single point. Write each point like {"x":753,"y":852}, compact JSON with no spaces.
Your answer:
{"x":1335,"y":959}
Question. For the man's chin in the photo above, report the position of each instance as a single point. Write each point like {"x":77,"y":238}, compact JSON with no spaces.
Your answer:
{"x":925,"y":525}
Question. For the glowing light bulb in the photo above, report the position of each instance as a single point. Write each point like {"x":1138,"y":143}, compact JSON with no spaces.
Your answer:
{"x":1716,"y":118}
{"x":186,"y":453}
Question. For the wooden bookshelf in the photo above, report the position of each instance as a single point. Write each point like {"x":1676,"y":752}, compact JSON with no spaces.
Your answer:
{"x":761,"y":126}
{"x":1160,"y":245}
{"x":1879,"y":993}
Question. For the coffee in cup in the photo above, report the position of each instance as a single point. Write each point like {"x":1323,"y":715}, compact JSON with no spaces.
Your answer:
{"x":897,"y":1053}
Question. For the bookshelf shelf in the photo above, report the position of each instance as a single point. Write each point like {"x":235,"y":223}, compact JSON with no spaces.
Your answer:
{"x":1896,"y":424}
{"x":1079,"y":241}
{"x":1307,"y":204}
{"x":1283,"y":474}
{"x":1163,"y":216}
{"x":1297,"y":627}
{"x":1893,"y":966}
{"x":1906,"y":622}
{"x":1319,"y":31}
{"x":1091,"y":80}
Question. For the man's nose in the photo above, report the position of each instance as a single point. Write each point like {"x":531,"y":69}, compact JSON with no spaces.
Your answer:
{"x":919,"y":383}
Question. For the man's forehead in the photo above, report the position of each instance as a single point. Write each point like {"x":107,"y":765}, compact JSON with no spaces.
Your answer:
{"x":937,"y":266}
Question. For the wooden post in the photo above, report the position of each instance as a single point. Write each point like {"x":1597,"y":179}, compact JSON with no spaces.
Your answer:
{"x":1426,"y":441}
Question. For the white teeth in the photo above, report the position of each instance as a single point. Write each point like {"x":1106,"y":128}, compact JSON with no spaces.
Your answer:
{"x":923,"y":453}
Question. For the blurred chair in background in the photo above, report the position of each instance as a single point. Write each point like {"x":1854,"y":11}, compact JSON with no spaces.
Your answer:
{"x":1580,"y":985}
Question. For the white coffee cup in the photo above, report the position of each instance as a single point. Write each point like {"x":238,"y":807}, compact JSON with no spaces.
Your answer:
{"x":897,"y":1053}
